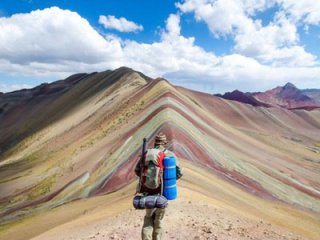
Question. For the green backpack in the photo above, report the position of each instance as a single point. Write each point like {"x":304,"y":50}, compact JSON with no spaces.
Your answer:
{"x":152,"y":170}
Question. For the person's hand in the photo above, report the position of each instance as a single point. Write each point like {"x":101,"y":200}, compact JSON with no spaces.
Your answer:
{"x":179,"y":173}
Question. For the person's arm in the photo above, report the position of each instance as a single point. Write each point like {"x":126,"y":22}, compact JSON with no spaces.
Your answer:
{"x":179,"y":172}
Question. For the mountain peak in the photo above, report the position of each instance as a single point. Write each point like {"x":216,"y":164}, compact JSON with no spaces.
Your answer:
{"x":289,"y":85}
{"x":288,"y":96}
{"x":124,"y":68}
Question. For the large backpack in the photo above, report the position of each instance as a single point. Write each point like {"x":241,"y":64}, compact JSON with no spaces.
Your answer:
{"x":152,"y":171}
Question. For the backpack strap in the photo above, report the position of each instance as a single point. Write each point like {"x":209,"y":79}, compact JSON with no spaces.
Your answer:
{"x":162,"y":168}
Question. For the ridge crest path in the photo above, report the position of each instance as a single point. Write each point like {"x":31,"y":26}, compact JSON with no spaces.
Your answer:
{"x":184,"y":219}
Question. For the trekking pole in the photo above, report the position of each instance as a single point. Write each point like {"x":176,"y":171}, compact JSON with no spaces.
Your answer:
{"x":143,"y":158}
{"x":144,"y":148}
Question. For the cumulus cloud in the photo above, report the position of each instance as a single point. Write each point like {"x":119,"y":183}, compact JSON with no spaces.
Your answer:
{"x":179,"y":59}
{"x":56,"y":42}
{"x":120,"y":24}
{"x":223,"y":17}
{"x":276,"y":43}
{"x":228,"y":16}
{"x":305,"y":11}
{"x":174,"y":53}
{"x":173,"y":25}
{"x":52,"y":37}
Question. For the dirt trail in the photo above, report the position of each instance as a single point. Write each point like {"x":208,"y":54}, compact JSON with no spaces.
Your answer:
{"x":184,"y":219}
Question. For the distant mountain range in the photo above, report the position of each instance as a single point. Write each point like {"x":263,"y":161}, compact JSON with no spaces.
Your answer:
{"x":288,"y":96}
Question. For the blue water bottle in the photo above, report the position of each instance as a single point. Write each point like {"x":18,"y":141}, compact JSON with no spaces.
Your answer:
{"x":169,"y":177}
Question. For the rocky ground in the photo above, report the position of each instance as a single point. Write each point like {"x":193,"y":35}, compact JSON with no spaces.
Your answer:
{"x":184,"y":219}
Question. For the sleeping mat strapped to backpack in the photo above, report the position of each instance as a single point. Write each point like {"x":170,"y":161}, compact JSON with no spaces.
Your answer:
{"x":169,"y":177}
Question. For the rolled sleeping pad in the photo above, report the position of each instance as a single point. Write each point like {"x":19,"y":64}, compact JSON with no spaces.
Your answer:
{"x":149,"y":202}
{"x":170,"y":178}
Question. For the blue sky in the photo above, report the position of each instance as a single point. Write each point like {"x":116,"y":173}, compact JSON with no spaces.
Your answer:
{"x":208,"y":45}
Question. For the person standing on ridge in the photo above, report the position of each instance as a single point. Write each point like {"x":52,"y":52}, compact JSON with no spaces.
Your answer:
{"x":152,"y":226}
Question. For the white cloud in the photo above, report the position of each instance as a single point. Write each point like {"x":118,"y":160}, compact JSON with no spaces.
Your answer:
{"x":223,"y":17}
{"x":306,"y":11}
{"x":173,"y":53}
{"x":55,"y":42}
{"x":180,"y":60}
{"x":120,"y":24}
{"x":246,"y":74}
{"x":53,"y":37}
{"x":277,"y":43}
{"x":173,"y":25}
{"x":12,"y":87}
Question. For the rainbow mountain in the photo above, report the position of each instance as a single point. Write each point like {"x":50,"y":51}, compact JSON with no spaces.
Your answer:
{"x":77,"y":140}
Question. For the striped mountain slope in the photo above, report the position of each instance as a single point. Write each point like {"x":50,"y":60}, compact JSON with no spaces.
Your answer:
{"x":83,"y":139}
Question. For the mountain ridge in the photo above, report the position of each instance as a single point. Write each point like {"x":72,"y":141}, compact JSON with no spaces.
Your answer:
{"x":90,"y":148}
{"x":81,"y":85}
{"x":287,"y":96}
{"x":239,"y":96}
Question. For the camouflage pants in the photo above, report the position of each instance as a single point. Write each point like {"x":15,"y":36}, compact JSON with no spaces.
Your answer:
{"x":152,"y":226}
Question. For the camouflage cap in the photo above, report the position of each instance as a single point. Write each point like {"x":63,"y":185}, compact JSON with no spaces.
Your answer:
{"x":161,"y":139}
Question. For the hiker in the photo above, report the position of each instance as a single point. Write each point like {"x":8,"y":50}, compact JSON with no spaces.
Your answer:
{"x":152,"y":226}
